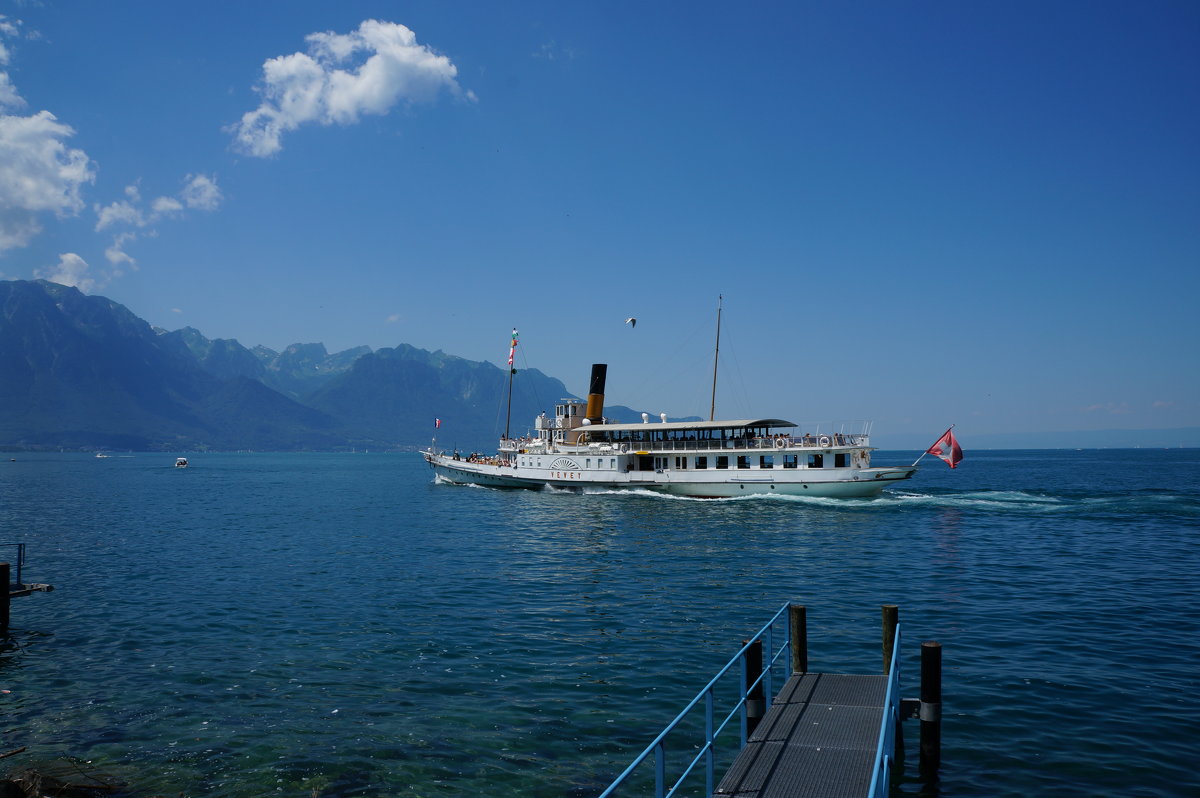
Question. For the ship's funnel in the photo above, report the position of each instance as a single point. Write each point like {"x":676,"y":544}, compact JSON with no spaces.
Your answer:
{"x":595,"y":404}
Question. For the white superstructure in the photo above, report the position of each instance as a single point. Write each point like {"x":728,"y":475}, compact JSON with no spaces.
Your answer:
{"x":578,"y":449}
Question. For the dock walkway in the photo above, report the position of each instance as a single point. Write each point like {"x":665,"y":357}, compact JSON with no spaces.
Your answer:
{"x":824,"y":735}
{"x":13,"y":586}
{"x":819,"y":738}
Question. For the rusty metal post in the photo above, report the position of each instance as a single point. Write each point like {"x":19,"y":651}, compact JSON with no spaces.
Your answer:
{"x":891,"y":619}
{"x":798,"y":625}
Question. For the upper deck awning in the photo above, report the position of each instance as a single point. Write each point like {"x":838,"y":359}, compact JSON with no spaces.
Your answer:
{"x":688,"y":426}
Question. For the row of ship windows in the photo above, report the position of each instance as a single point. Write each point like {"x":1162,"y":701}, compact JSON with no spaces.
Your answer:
{"x":815,"y":460}
{"x":721,"y":461}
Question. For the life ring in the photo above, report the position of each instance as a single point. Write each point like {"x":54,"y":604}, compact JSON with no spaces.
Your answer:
{"x":780,"y":443}
{"x":823,"y":440}
{"x":623,"y":448}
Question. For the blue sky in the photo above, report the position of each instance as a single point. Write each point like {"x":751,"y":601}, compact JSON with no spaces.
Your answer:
{"x":985,"y":214}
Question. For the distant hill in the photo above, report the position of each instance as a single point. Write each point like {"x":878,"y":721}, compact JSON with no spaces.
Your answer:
{"x":298,"y":370}
{"x":223,"y":357}
{"x":397,"y":393}
{"x":83,"y":372}
{"x":303,"y":368}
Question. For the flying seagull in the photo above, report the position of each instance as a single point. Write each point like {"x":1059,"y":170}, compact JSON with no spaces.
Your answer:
{"x":632,"y":322}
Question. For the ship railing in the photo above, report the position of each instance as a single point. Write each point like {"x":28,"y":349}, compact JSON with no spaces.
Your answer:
{"x":517,"y":444}
{"x":806,"y":441}
{"x":17,"y":560}
{"x":714,"y":723}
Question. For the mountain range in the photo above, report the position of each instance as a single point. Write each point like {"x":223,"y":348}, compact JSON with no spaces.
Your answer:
{"x":83,"y":372}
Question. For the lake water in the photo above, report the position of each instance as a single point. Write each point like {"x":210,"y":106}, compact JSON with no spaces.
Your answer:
{"x":338,"y":625}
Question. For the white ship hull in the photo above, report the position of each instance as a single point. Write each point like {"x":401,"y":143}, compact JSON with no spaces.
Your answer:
{"x":847,"y":483}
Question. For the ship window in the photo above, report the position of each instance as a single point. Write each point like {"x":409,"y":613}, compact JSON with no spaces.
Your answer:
{"x":681,"y":462}
{"x":816,"y":461}
{"x":743,"y":461}
{"x":588,"y":463}
{"x":791,"y":460}
{"x":722,"y":461}
{"x":701,"y":462}
{"x":766,"y":461}
{"x":612,"y":463}
{"x":841,"y":460}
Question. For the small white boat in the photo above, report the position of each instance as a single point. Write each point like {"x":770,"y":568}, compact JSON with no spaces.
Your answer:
{"x":181,"y":462}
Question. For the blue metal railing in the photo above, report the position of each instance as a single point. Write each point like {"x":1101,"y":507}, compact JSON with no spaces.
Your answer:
{"x":707,"y":752}
{"x":885,"y":752}
{"x":16,"y":562}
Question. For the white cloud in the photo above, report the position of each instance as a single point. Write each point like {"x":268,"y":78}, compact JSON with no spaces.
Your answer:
{"x":1114,"y":408}
{"x":329,"y":84}
{"x":393,"y":318}
{"x":116,"y":254}
{"x":201,"y":192}
{"x":17,"y":230}
{"x":8,"y":93}
{"x":38,"y":174}
{"x":118,"y":213}
{"x":552,"y":52}
{"x":166,"y":206}
{"x":37,"y":171}
{"x":71,"y":270}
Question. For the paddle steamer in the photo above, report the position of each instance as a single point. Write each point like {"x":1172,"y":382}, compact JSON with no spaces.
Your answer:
{"x":580,"y":450}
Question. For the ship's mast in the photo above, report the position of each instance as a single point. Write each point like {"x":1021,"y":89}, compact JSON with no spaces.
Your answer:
{"x":508,"y":413}
{"x":712,"y":409}
{"x":512,"y":350}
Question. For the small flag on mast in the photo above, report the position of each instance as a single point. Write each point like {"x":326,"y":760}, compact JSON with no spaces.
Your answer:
{"x":437,"y":423}
{"x":512,"y":349}
{"x":947,"y":448}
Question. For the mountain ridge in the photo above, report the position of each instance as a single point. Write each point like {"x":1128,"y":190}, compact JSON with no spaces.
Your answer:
{"x":84,"y":372}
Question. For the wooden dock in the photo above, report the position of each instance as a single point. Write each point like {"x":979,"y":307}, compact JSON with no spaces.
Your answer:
{"x":10,"y":589}
{"x":819,"y":738}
